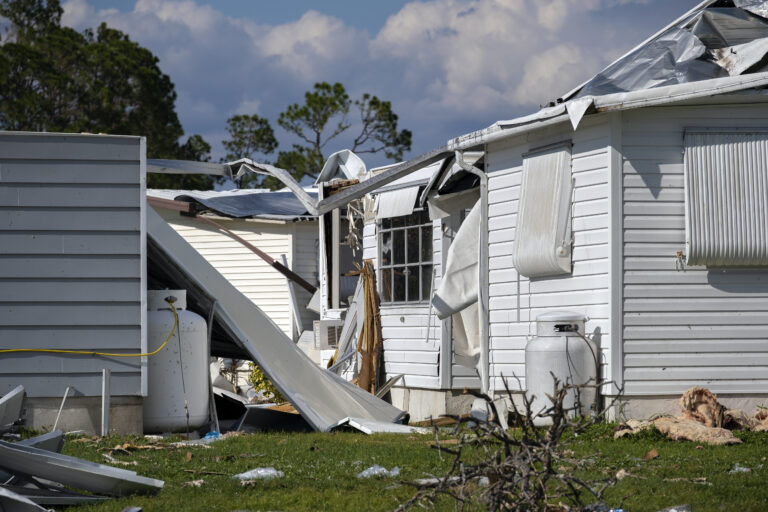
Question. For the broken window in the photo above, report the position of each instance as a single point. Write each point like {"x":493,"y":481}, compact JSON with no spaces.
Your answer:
{"x":543,"y":231}
{"x":726,"y":197}
{"x":405,"y":258}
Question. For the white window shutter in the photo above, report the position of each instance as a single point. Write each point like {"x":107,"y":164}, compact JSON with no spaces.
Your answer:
{"x":543,"y":232}
{"x":726,"y":198}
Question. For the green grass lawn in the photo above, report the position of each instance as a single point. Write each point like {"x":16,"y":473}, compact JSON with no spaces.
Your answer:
{"x":320,"y":471}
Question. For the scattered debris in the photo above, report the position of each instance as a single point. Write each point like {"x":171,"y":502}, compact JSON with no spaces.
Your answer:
{"x":194,"y":483}
{"x":377,"y":470}
{"x":677,"y":508}
{"x":259,"y":474}
{"x":113,"y":460}
{"x":97,"y":478}
{"x":703,"y":420}
{"x":738,"y":468}
{"x":10,"y":408}
{"x":652,"y":454}
{"x":623,"y":473}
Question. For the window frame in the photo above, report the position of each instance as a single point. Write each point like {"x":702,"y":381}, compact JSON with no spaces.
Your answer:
{"x":387,"y":226}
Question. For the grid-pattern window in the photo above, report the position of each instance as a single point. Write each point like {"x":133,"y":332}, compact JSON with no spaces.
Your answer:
{"x":405,"y":258}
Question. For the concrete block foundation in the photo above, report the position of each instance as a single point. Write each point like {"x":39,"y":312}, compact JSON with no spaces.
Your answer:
{"x":126,"y":414}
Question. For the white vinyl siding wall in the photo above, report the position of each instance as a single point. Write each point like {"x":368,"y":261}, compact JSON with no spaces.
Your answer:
{"x":515,"y":301}
{"x":251,"y":275}
{"x":697,"y":327}
{"x":72,"y":261}
{"x":407,"y":349}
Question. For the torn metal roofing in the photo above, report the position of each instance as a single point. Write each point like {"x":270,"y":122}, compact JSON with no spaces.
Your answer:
{"x":240,"y":203}
{"x":718,"y":47}
{"x":342,"y":164}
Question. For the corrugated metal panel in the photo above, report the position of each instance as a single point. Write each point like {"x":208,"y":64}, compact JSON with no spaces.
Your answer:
{"x":70,"y":260}
{"x":543,"y":245}
{"x":726,"y":198}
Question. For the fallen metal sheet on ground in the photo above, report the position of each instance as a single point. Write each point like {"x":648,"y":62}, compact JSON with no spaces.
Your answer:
{"x":52,"y":442}
{"x":13,"y":502}
{"x":10,"y":407}
{"x":98,"y":478}
{"x":379,"y":427}
{"x":321,"y":397}
{"x":52,"y":497}
{"x":259,"y":418}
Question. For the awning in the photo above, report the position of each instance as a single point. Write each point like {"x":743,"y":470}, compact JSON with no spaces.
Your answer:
{"x":396,"y":203}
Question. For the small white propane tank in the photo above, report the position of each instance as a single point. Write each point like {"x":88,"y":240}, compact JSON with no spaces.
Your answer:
{"x":179,"y":372}
{"x":557,"y":350}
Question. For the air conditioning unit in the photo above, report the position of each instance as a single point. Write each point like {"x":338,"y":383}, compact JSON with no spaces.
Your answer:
{"x":327,"y":333}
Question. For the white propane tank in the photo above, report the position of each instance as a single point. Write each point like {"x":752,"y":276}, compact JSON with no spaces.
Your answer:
{"x":558,"y":350}
{"x":164,"y":409}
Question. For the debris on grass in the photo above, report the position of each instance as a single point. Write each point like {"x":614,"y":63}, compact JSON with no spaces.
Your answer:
{"x":702,"y":419}
{"x":653,"y":453}
{"x":260,"y":474}
{"x":738,"y":468}
{"x":194,"y":483}
{"x":377,"y":470}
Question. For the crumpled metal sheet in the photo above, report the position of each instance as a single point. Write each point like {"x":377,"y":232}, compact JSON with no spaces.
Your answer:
{"x":13,"y":502}
{"x":738,"y":59}
{"x":97,"y":478}
{"x":670,"y":59}
{"x":10,"y":407}
{"x":758,"y":7}
{"x":700,"y":48}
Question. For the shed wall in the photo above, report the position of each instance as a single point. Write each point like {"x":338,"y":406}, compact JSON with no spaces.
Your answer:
{"x":698,"y":326}
{"x":72,"y":257}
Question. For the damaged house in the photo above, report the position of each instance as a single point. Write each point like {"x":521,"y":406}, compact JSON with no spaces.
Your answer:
{"x":637,"y":204}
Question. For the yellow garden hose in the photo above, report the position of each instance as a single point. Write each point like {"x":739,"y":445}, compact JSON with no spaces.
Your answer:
{"x":106,"y":354}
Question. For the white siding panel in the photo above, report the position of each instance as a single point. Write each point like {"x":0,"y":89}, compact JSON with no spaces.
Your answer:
{"x":516,"y":301}
{"x":251,"y":275}
{"x":691,"y":327}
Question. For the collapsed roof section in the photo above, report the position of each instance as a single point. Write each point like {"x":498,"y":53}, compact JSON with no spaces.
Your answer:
{"x":322,"y":398}
{"x":243,"y":203}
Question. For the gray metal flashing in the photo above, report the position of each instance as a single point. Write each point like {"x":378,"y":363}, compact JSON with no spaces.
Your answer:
{"x":98,"y":478}
{"x":11,"y":501}
{"x":163,"y":166}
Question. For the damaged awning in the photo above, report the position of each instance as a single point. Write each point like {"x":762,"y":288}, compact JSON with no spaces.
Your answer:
{"x":322,"y":398}
{"x":396,"y":203}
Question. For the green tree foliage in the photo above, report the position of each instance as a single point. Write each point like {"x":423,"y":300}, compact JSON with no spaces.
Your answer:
{"x":320,"y":119}
{"x":53,"y":78}
{"x":249,"y":137}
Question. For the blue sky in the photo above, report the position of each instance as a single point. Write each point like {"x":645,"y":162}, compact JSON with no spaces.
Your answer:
{"x":449,"y":67}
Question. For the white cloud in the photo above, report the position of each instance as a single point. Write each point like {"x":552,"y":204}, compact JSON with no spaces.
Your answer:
{"x":448,"y":66}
